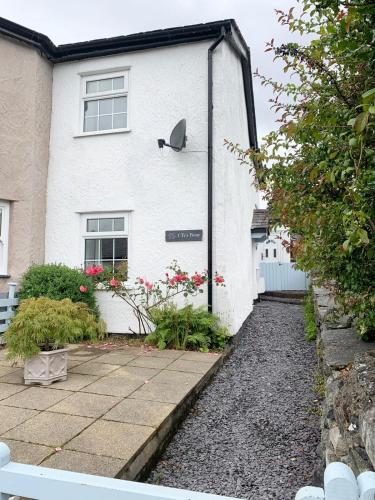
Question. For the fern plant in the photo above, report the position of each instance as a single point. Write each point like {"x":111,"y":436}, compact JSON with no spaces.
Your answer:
{"x":186,"y":328}
{"x":46,"y":324}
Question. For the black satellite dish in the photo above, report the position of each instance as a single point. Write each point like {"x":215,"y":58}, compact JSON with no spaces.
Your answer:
{"x":178,"y":137}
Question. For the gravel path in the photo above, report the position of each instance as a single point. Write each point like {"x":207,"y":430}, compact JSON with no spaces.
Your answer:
{"x":254,"y":431}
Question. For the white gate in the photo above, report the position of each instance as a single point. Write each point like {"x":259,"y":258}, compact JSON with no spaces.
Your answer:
{"x":283,"y":276}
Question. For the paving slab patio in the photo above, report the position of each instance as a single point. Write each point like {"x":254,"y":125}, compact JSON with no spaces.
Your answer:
{"x":114,"y":413}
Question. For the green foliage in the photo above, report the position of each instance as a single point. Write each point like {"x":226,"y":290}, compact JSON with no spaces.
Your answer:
{"x":318,"y":168}
{"x":310,"y":325}
{"x":48,"y":324}
{"x":57,"y":282}
{"x":186,"y":328}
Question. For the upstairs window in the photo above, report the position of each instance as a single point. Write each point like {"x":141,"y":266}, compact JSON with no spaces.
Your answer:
{"x":106,"y":240}
{"x":4,"y":236}
{"x":105,"y":103}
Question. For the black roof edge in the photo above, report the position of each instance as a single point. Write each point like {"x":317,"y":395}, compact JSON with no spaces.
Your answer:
{"x":140,"y":41}
{"x":115,"y":45}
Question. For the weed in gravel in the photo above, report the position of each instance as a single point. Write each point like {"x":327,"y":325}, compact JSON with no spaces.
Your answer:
{"x":320,"y":386}
{"x":310,"y":325}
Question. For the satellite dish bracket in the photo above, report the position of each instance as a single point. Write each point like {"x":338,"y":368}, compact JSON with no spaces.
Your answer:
{"x":178,"y":137}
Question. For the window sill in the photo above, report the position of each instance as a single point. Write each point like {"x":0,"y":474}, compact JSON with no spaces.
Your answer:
{"x":102,"y":132}
{"x":126,"y":284}
{"x":7,"y":276}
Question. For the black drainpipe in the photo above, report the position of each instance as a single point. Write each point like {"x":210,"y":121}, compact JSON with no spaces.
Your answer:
{"x":210,"y":165}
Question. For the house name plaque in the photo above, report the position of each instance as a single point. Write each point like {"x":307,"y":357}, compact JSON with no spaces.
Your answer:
{"x":184,"y":235}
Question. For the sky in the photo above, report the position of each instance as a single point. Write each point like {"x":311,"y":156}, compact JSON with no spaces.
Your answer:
{"x":66,"y":21}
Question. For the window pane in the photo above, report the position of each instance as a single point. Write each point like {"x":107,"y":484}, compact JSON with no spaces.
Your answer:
{"x":92,"y":225}
{"x":105,"y":122}
{"x":105,"y":107}
{"x":91,"y":250}
{"x":119,"y":121}
{"x":1,"y":220}
{"x":91,"y":108}
{"x":90,"y":124}
{"x":119,"y":104}
{"x":92,"y":86}
{"x":105,"y":85}
{"x":107,"y":248}
{"x":119,"y":224}
{"x":121,"y":248}
{"x":105,"y":225}
{"x":118,"y":83}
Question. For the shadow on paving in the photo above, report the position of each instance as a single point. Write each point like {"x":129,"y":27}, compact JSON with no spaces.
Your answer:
{"x":254,"y":431}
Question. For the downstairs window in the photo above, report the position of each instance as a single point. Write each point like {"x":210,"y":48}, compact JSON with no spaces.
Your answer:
{"x":106,"y":240}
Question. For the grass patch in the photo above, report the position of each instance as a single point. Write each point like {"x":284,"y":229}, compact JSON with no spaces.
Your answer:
{"x":310,"y":325}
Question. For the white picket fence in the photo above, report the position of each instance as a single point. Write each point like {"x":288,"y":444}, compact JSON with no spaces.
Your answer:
{"x":280,"y":276}
{"x":341,"y":484}
{"x":40,"y":483}
{"x":7,"y":306}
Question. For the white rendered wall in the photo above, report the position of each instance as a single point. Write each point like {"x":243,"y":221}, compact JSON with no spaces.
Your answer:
{"x":162,"y":189}
{"x":234,"y":194}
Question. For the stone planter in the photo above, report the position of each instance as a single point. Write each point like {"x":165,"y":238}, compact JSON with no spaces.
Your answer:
{"x":46,"y":367}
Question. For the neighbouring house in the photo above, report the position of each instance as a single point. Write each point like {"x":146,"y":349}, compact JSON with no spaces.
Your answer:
{"x":276,"y":247}
{"x":25,"y":104}
{"x":112,"y":194}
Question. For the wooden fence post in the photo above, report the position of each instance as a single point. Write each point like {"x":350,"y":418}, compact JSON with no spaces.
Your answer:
{"x":340,"y":482}
{"x":4,"y":460}
{"x":310,"y":493}
{"x":366,"y":483}
{"x":11,"y":295}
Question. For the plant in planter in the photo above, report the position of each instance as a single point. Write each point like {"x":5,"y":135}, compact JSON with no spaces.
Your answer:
{"x":40,"y":331}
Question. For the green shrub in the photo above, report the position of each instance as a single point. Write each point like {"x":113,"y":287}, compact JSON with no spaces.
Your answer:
{"x":187,"y":328}
{"x":58,"y":282}
{"x":46,"y":324}
{"x":310,"y":325}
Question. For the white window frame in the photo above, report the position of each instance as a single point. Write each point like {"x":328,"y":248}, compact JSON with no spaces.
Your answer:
{"x":84,"y":97}
{"x":103,"y":234}
{"x":4,"y":237}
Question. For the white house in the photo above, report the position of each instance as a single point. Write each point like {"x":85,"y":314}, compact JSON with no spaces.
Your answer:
{"x":112,"y":193}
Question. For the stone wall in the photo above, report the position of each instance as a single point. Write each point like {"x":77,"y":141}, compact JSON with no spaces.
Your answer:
{"x":348,"y":366}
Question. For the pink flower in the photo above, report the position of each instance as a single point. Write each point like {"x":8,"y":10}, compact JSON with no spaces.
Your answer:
{"x":173,"y":281}
{"x":83,"y":288}
{"x":141,"y":281}
{"x":197,"y":279}
{"x":94,"y":270}
{"x":114,"y":283}
{"x":219,"y":279}
{"x":148,"y":285}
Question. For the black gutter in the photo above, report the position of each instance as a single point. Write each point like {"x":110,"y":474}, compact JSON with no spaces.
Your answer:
{"x":210,"y":169}
{"x":113,"y":45}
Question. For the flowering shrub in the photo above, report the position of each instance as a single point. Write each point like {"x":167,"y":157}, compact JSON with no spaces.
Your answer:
{"x":146,"y":296}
